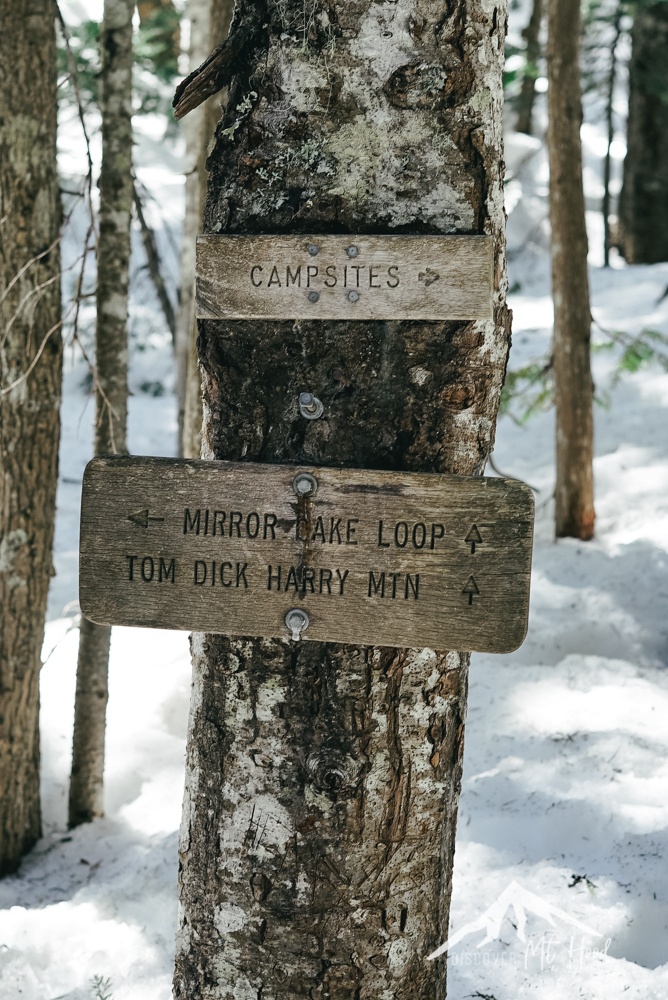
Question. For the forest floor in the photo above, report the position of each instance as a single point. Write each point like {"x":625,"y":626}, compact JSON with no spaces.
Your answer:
{"x":563,"y":827}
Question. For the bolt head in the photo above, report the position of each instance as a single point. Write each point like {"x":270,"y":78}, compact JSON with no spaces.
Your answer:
{"x":305,"y":485}
{"x":313,"y":296}
{"x":313,"y":250}
{"x":353,"y":296}
{"x":352,"y":251}
{"x":297,"y":621}
{"x":310,"y":406}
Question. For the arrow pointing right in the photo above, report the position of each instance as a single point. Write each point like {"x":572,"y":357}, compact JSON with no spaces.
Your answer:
{"x":471,"y":588}
{"x":428,"y":277}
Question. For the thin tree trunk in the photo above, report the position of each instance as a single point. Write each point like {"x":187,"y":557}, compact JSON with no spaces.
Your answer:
{"x":322,"y":780}
{"x":644,"y":200}
{"x":153,"y":262}
{"x":86,"y":799}
{"x":209,"y":25}
{"x":610,"y":122}
{"x":527,"y":94}
{"x":30,"y":386}
{"x":570,"y":286}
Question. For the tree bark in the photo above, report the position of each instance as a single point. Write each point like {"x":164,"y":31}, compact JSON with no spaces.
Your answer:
{"x":30,"y":386}
{"x":86,"y":799}
{"x":644,"y":199}
{"x":209,"y":25}
{"x":570,"y":285}
{"x":527,"y":93}
{"x":322,"y":780}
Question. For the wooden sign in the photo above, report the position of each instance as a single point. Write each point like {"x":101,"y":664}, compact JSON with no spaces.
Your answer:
{"x":374,"y":558}
{"x":344,"y":277}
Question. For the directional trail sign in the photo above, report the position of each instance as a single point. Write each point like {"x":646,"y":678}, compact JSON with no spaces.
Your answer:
{"x":342,"y":555}
{"x":345,"y":277}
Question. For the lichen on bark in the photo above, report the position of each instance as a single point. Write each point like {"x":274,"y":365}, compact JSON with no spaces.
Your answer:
{"x":322,"y":780}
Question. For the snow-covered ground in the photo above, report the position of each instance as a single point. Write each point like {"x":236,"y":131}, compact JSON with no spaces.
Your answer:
{"x":564,"y":811}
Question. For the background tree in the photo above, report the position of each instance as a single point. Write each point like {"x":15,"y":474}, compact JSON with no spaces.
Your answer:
{"x":336,"y":804}
{"x":30,"y":385}
{"x":644,"y":199}
{"x":570,"y":284}
{"x":612,"y":77}
{"x":209,"y":25}
{"x":86,"y":799}
{"x":527,"y":94}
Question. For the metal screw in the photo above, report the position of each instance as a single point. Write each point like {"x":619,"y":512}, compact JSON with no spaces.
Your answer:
{"x":313,"y":250}
{"x":353,"y":296}
{"x":305,"y":485}
{"x":352,"y":251}
{"x":297,"y":621}
{"x":310,"y":406}
{"x":313,"y":296}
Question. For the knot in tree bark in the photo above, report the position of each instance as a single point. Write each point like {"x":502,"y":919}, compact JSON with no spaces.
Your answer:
{"x":330,"y":770}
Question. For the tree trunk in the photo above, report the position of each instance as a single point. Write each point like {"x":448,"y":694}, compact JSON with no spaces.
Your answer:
{"x":209,"y":25}
{"x":610,"y":123}
{"x":86,"y":799}
{"x":30,"y":385}
{"x":644,"y":201}
{"x":570,"y":286}
{"x":527,"y":93}
{"x":322,"y":780}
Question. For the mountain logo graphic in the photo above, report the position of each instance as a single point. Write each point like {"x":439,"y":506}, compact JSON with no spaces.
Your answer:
{"x":522,"y":902}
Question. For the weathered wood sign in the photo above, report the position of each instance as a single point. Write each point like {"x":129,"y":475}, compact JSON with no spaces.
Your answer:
{"x":343,"y":555}
{"x":344,"y":277}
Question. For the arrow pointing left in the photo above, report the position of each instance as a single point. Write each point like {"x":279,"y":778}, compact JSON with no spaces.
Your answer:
{"x":142,"y":518}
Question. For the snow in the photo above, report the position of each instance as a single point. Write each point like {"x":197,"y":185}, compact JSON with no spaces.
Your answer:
{"x":564,"y":810}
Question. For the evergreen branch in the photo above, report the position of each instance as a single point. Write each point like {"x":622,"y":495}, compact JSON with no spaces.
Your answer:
{"x":100,"y":988}
{"x":629,"y":341}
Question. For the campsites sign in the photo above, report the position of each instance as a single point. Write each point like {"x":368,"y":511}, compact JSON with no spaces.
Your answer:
{"x":344,"y":277}
{"x":345,"y":555}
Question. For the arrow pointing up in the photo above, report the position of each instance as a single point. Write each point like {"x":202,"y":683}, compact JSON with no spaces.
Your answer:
{"x":474,"y":537}
{"x":142,"y":518}
{"x":470,"y":588}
